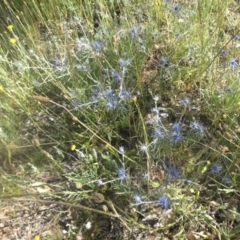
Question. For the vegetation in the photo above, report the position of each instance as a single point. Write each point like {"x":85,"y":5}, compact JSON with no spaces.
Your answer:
{"x":125,"y":110}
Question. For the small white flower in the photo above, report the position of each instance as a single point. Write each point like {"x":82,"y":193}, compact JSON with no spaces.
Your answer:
{"x":143,"y":148}
{"x":121,"y":149}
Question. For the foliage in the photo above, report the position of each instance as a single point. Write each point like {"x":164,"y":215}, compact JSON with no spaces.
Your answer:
{"x":133,"y":102}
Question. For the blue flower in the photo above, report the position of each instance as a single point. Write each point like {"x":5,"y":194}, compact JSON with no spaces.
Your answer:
{"x":122,"y":173}
{"x":173,"y":172}
{"x":125,"y":94}
{"x":223,"y":53}
{"x":158,"y":134}
{"x":234,"y":63}
{"x":97,"y":46}
{"x":110,"y":94}
{"x":186,"y":101}
{"x":123,"y":62}
{"x":164,"y":201}
{"x":216,"y":168}
{"x":176,"y":8}
{"x":116,"y":76}
{"x":137,"y":198}
{"x":176,"y":136}
{"x":197,"y":127}
{"x":133,"y":32}
{"x":176,"y":127}
{"x":237,"y":37}
{"x":164,"y":62}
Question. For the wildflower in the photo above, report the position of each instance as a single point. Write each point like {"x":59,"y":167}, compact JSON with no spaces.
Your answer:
{"x":158,"y":134}
{"x":13,"y":40}
{"x":237,"y":38}
{"x":176,"y":136}
{"x":73,"y":147}
{"x":110,"y":94}
{"x":122,"y":173}
{"x":133,"y":32}
{"x":123,"y":62}
{"x":116,"y":76}
{"x":112,"y":105}
{"x":100,"y":182}
{"x":156,"y":98}
{"x":143,"y":148}
{"x":1,"y":88}
{"x":234,"y":63}
{"x":226,"y":180}
{"x":57,"y":62}
{"x":173,"y":172}
{"x":76,"y":103}
{"x":164,"y":201}
{"x":137,"y":199}
{"x":82,"y":67}
{"x":216,"y":168}
{"x":121,"y":150}
{"x":10,"y":27}
{"x":155,"y":110}
{"x":197,"y":127}
{"x":176,"y":127}
{"x":176,"y":8}
{"x":97,"y":46}
{"x":164,"y":62}
{"x":125,"y":94}
{"x":186,"y":101}
{"x":223,"y":53}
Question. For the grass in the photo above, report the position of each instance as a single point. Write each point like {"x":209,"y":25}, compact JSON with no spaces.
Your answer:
{"x":134,"y":104}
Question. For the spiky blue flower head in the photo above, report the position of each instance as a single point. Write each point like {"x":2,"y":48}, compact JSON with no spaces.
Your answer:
{"x":116,"y":76}
{"x":173,"y":172}
{"x":123,"y":62}
{"x":97,"y":46}
{"x":110,"y":94}
{"x":158,"y":134}
{"x":197,"y":127}
{"x":164,"y":201}
{"x":216,"y":168}
{"x":125,"y":94}
{"x":176,"y":136}
{"x":122,"y":173}
{"x":176,"y":127}
{"x":133,"y":32}
{"x":234,"y":63}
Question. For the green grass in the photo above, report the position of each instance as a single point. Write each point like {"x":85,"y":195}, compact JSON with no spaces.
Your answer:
{"x":63,"y":111}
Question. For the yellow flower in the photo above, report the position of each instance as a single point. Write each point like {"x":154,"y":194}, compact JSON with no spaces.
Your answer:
{"x":1,"y":88}
{"x":13,"y":40}
{"x":73,"y":147}
{"x":10,"y":27}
